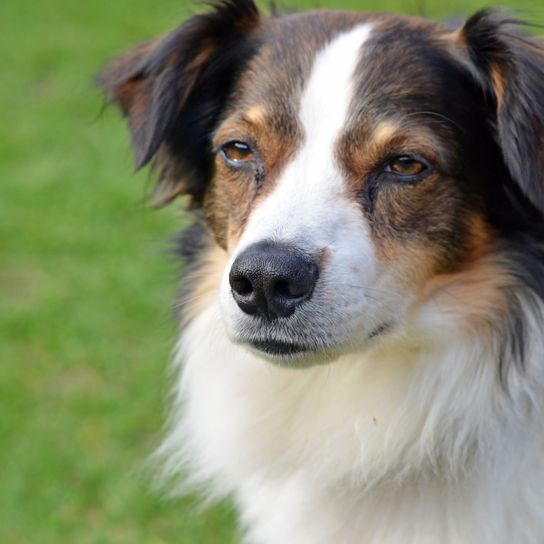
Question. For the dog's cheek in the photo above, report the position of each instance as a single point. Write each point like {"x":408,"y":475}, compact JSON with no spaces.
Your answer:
{"x":427,"y":230}
{"x":227,"y":205}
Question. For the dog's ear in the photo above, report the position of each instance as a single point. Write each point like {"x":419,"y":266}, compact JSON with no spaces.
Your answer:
{"x":173,"y":90}
{"x":510,"y":66}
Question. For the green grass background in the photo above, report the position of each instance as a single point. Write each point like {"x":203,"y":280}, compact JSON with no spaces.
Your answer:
{"x":85,"y":328}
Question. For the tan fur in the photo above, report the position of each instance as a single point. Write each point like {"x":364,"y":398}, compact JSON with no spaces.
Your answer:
{"x":256,"y":115}
{"x":384,"y":132}
{"x":205,"y":281}
{"x":498,"y":77}
{"x":476,"y":296}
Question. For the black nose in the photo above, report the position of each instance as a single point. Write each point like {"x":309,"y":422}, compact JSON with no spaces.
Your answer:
{"x":271,"y":280}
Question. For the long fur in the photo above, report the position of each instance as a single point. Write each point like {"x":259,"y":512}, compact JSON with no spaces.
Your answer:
{"x":415,"y":442}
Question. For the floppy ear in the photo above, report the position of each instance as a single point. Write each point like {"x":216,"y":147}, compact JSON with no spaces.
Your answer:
{"x":173,"y":90}
{"x":510,"y":66}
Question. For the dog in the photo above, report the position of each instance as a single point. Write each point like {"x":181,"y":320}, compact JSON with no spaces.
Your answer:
{"x":361,"y":353}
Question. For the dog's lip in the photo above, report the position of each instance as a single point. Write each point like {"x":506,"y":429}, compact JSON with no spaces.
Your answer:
{"x":383,"y":329}
{"x":278,"y":348}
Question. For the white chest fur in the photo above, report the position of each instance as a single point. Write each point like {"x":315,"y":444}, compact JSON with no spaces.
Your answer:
{"x":404,"y":445}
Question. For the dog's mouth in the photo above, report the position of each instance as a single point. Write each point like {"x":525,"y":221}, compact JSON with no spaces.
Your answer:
{"x":290,"y":351}
{"x":275,"y":348}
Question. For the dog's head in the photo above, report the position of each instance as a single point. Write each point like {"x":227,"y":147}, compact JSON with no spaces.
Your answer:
{"x":345,"y":163}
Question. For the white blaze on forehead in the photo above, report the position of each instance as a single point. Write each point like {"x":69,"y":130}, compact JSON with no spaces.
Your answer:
{"x":301,"y":208}
{"x":326,"y":100}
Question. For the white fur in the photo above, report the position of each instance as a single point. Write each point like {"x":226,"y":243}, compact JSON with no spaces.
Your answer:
{"x":411,"y":442}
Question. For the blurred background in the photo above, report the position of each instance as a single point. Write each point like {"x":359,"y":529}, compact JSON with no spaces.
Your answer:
{"x":85,"y":284}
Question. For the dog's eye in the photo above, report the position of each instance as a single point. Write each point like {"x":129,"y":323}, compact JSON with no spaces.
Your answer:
{"x":406,"y":166}
{"x":237,"y":152}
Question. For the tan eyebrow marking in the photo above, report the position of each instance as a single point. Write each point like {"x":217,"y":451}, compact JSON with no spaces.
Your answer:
{"x":384,"y":132}
{"x":255,"y":115}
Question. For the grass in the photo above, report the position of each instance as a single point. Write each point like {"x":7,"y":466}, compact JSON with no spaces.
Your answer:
{"x":84,"y":288}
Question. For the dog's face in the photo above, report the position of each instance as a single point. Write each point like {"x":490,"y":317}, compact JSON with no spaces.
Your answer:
{"x":345,"y":184}
{"x":344,"y":163}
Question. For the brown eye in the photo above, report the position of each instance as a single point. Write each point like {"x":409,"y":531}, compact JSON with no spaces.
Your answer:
{"x":237,"y":152}
{"x":406,"y":166}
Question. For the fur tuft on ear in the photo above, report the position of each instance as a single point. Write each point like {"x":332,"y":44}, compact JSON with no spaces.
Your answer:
{"x":173,"y":90}
{"x":510,"y":66}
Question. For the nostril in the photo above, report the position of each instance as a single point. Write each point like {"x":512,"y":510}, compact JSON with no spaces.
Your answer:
{"x":283,"y":289}
{"x":242,"y":286}
{"x":289,"y":289}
